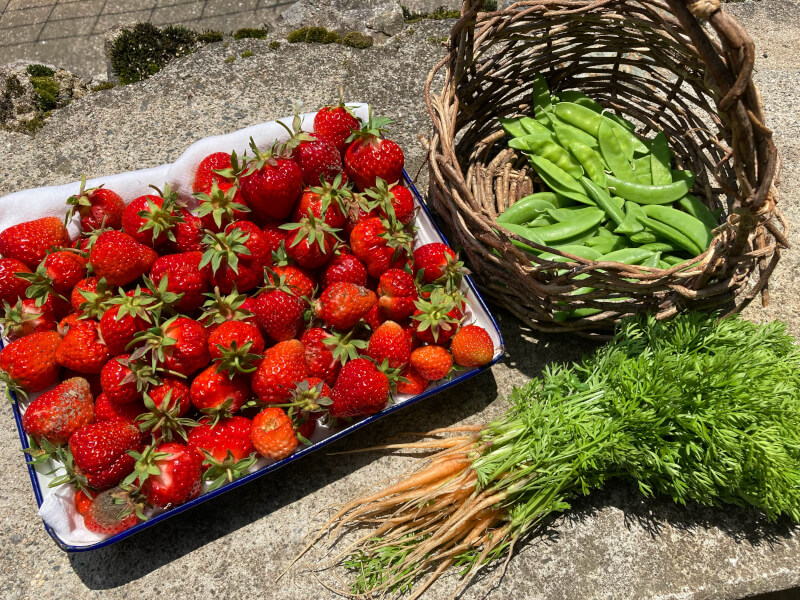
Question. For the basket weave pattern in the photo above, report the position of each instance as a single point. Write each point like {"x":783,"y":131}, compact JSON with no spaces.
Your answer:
{"x":659,"y":65}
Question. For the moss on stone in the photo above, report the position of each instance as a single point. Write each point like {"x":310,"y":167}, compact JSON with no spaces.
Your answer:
{"x":46,"y":89}
{"x":104,"y":85}
{"x":313,"y":35}
{"x":229,"y":60}
{"x":209,"y":36}
{"x":488,"y":6}
{"x":250,"y":33}
{"x":246,"y":54}
{"x":39,"y":71}
{"x":355,"y":39}
{"x":142,"y":51}
{"x":31,"y":126}
{"x":14,"y":86}
{"x":274,"y":45}
{"x":437,"y":15}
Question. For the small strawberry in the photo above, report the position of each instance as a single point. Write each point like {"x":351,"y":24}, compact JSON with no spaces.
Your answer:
{"x":225,"y":254}
{"x":82,"y":349}
{"x":29,"y":242}
{"x":310,"y":242}
{"x":336,"y":123}
{"x":112,"y":512}
{"x":282,"y":367}
{"x":165,"y":408}
{"x":370,"y":156}
{"x":397,"y":293}
{"x":271,"y":185}
{"x":59,"y":273}
{"x":106,"y":410}
{"x":309,"y":401}
{"x":188,"y":233}
{"x":438,"y":263}
{"x":119,"y":258}
{"x":172,"y":394}
{"x":168,"y":475}
{"x":279,"y":313}
{"x":179,"y":344}
{"x":220,"y":206}
{"x":12,"y":287}
{"x":208,"y":172}
{"x":472,"y":346}
{"x":124,"y":380}
{"x":343,"y":304}
{"x":83,"y":501}
{"x":97,"y":207}
{"x":273,"y":433}
{"x":437,"y":318}
{"x":219,"y":309}
{"x":184,"y":276}
{"x":299,"y":281}
{"x":149,"y":219}
{"x":411,"y":383}
{"x":343,"y":267}
{"x":324,"y":202}
{"x":317,"y":157}
{"x":218,"y":394}
{"x":227,"y":447}
{"x":25,"y":318}
{"x":60,"y":412}
{"x":29,"y":364}
{"x":390,"y":342}
{"x":126,"y":315}
{"x":392,"y":201}
{"x":432,"y":362}
{"x":100,"y":452}
{"x":275,"y":237}
{"x":361,"y":389}
{"x":380,"y":244}
{"x":78,"y":296}
{"x":234,"y":334}
{"x":319,"y":355}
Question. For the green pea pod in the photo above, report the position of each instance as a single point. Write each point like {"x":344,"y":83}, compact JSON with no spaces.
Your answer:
{"x":613,"y":153}
{"x":541,"y":94}
{"x":664,"y":265}
{"x":513,"y":127}
{"x":621,"y":121}
{"x":541,"y":221}
{"x":673,"y":260}
{"x":627,"y":256}
{"x":580,"y":99}
{"x":692,"y":228}
{"x":604,"y":245}
{"x":582,"y":251}
{"x":558,"y":181}
{"x":671,"y":235}
{"x":603,"y":200}
{"x":532,"y":126}
{"x":568,"y":230}
{"x":644,"y":237}
{"x":619,"y":202}
{"x":556,"y":155}
{"x":631,"y":224}
{"x":660,"y":158}
{"x":566,"y":134}
{"x":650,"y":194}
{"x":526,"y":233}
{"x":562,"y":215}
{"x":641,"y":170}
{"x":528,"y":208}
{"x":653,"y":260}
{"x":578,"y":313}
{"x":661,"y":247}
{"x":603,"y":232}
{"x":695,"y":207}
{"x":590,"y":161}
{"x":527,"y":142}
{"x":589,"y":121}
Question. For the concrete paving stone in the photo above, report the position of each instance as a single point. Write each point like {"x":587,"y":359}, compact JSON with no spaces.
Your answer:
{"x":226,"y":7}
{"x":14,"y":38}
{"x":179,"y":13}
{"x":118,"y":6}
{"x":28,"y":4}
{"x":67,"y":28}
{"x":230,"y":22}
{"x":29,"y":16}
{"x":106,"y":22}
{"x":85,"y":8}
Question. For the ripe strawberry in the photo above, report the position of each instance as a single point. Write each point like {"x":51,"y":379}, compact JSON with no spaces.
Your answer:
{"x":227,"y":254}
{"x":323,"y":202}
{"x":344,"y":304}
{"x":168,"y":475}
{"x":184,"y":276}
{"x":227,"y":447}
{"x":380,"y":244}
{"x":436,"y":318}
{"x":25,"y":318}
{"x":271,"y":185}
{"x":188,"y":233}
{"x":30,"y":241}
{"x":319,"y":355}
{"x":12,"y":287}
{"x":179,"y":345}
{"x":97,"y":207}
{"x":370,"y":156}
{"x":343,"y":267}
{"x":126,"y":316}
{"x":299,"y":281}
{"x":106,"y":410}
{"x":120,"y":258}
{"x":397,"y":293}
{"x":220,"y":205}
{"x":472,"y":346}
{"x":374,"y":317}
{"x":29,"y":363}
{"x":274,"y":236}
{"x":100,"y":451}
{"x":233,"y":307}
{"x":60,"y":412}
{"x":438,"y":262}
{"x":308,"y":402}
{"x":206,"y":174}
{"x":50,"y":285}
{"x":111,"y":512}
{"x":414,"y":383}
{"x":82,"y":349}
{"x":317,"y":157}
{"x":279,"y":313}
{"x":83,"y":501}
{"x":336,"y":123}
{"x":171,"y":394}
{"x":149,"y":219}
{"x":273,"y":434}
{"x":361,"y":389}
{"x":310,"y":242}
{"x":431,"y":362}
{"x":235,"y":333}
{"x":218,"y":393}
{"x":124,"y":380}
{"x":282,"y":367}
{"x":390,"y":342}
{"x":392,"y":201}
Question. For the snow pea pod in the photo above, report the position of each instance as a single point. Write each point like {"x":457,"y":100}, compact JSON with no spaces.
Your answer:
{"x":559,"y":181}
{"x":653,"y":261}
{"x":526,"y":142}
{"x":621,"y":121}
{"x":603,"y":200}
{"x":541,"y":95}
{"x":580,"y":99}
{"x":698,"y":210}
{"x":588,"y":120}
{"x":556,"y":155}
{"x":513,"y":127}
{"x":541,"y":221}
{"x":567,"y":230}
{"x":652,"y":194}
{"x":692,"y":228}
{"x":627,"y":256}
{"x":582,"y":251}
{"x":562,"y":215}
{"x":524,"y":232}
{"x":631,"y":224}
{"x":578,"y":313}
{"x":613,"y":153}
{"x":673,"y":260}
{"x":644,"y":237}
{"x":604,"y":244}
{"x":660,"y":158}
{"x":528,"y":208}
{"x":589,"y":160}
{"x":642,"y":171}
{"x":532,"y":126}
{"x":661,"y":247}
{"x":566,"y":134}
{"x":671,"y":235}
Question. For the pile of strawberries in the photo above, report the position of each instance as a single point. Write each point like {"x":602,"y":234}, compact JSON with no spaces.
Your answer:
{"x":185,"y":345}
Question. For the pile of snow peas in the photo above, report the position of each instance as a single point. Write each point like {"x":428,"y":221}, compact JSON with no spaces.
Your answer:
{"x":613,"y":195}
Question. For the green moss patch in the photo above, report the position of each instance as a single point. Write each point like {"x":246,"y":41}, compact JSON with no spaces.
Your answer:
{"x":105,"y":85}
{"x":354,"y":39}
{"x":39,"y":71}
{"x":46,"y":89}
{"x":313,"y":35}
{"x":210,"y":36}
{"x":274,"y":45}
{"x":250,"y":33}
{"x":142,"y":51}
{"x":247,"y":54}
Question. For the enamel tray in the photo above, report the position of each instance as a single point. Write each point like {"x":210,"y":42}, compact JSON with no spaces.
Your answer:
{"x":56,"y":505}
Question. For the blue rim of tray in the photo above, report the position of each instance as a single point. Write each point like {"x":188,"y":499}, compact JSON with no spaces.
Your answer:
{"x":278,"y":464}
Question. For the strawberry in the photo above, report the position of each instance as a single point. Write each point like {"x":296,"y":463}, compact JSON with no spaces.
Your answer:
{"x":336,"y":123}
{"x":184,"y":276}
{"x":226,"y":253}
{"x":436,"y":318}
{"x":90,"y":297}
{"x":344,"y":304}
{"x":308,"y":402}
{"x":279,"y":313}
{"x":120,"y":258}
{"x":188,"y":233}
{"x":319,"y":355}
{"x":437,"y":262}
{"x":472,"y":346}
{"x":206,"y":174}
{"x":273,"y":433}
{"x":431,"y":362}
{"x":374,"y":317}
{"x":123,"y":380}
{"x":370,"y":156}
{"x":227,"y":447}
{"x":271,"y":185}
{"x":310,"y":242}
{"x":25,"y":318}
{"x":397,"y":293}
{"x":165,"y":406}
{"x":149,"y":219}
{"x":299,"y":281}
{"x":274,"y":237}
{"x":60,"y":412}
{"x":361,"y":389}
{"x":323,"y":202}
{"x":411,"y":383}
{"x":126,"y":316}
{"x":220,"y":309}
{"x":343,"y":267}
{"x":282,"y":367}
{"x":30,"y":241}
{"x":100,"y":452}
{"x":380,"y":244}
{"x":112,"y":512}
{"x":317,"y":157}
{"x":179,"y":345}
{"x":106,"y":410}
{"x":235,"y":334}
{"x":220,"y":205}
{"x":82,"y":349}
{"x":50,"y":285}
{"x":29,"y":364}
{"x":97,"y":207}
{"x":83,"y":501}
{"x":12,"y":287}
{"x":171,"y":393}
{"x":390,"y":342}
{"x":392,"y":201}
{"x":218,"y":393}
{"x":168,"y":474}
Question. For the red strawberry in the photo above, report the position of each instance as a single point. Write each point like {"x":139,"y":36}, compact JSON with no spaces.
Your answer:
{"x":227,"y":255}
{"x":123,"y":380}
{"x":169,"y":474}
{"x":361,"y":389}
{"x":319,"y":355}
{"x":317,"y":157}
{"x":472,"y":346}
{"x":310,"y":242}
{"x":343,"y":267}
{"x":438,"y":262}
{"x":323,"y":202}
{"x":272,"y":185}
{"x":11,"y":286}
{"x":390,"y":342}
{"x":127,"y":315}
{"x":100,"y":451}
{"x":273,"y":433}
{"x":120,"y":258}
{"x":30,"y":241}
{"x":344,"y":304}
{"x":233,"y":307}
{"x":188,"y":234}
{"x":298,"y":280}
{"x":274,"y":236}
{"x":179,"y":344}
{"x":83,"y":501}
{"x":392,"y":201}
{"x":336,"y":123}
{"x":278,"y":311}
{"x":239,"y":333}
{"x":397,"y":293}
{"x":308,"y":402}
{"x":150,"y":219}
{"x":431,"y":362}
{"x":436,"y":318}
{"x":218,"y":393}
{"x":282,"y":367}
{"x":106,"y":410}
{"x":184,"y":276}
{"x":206,"y":174}
{"x":414,"y":383}
{"x":220,"y":205}
{"x":90,"y":297}
{"x":374,"y":317}
{"x":380,"y":244}
{"x":29,"y":363}
{"x":370,"y":156}
{"x":83,"y":349}
{"x":60,"y":412}
{"x":111,"y":512}
{"x":98,"y":207}
{"x":227,"y":447}
{"x":25,"y":318}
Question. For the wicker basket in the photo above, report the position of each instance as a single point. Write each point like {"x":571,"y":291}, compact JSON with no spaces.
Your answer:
{"x":656,"y":63}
